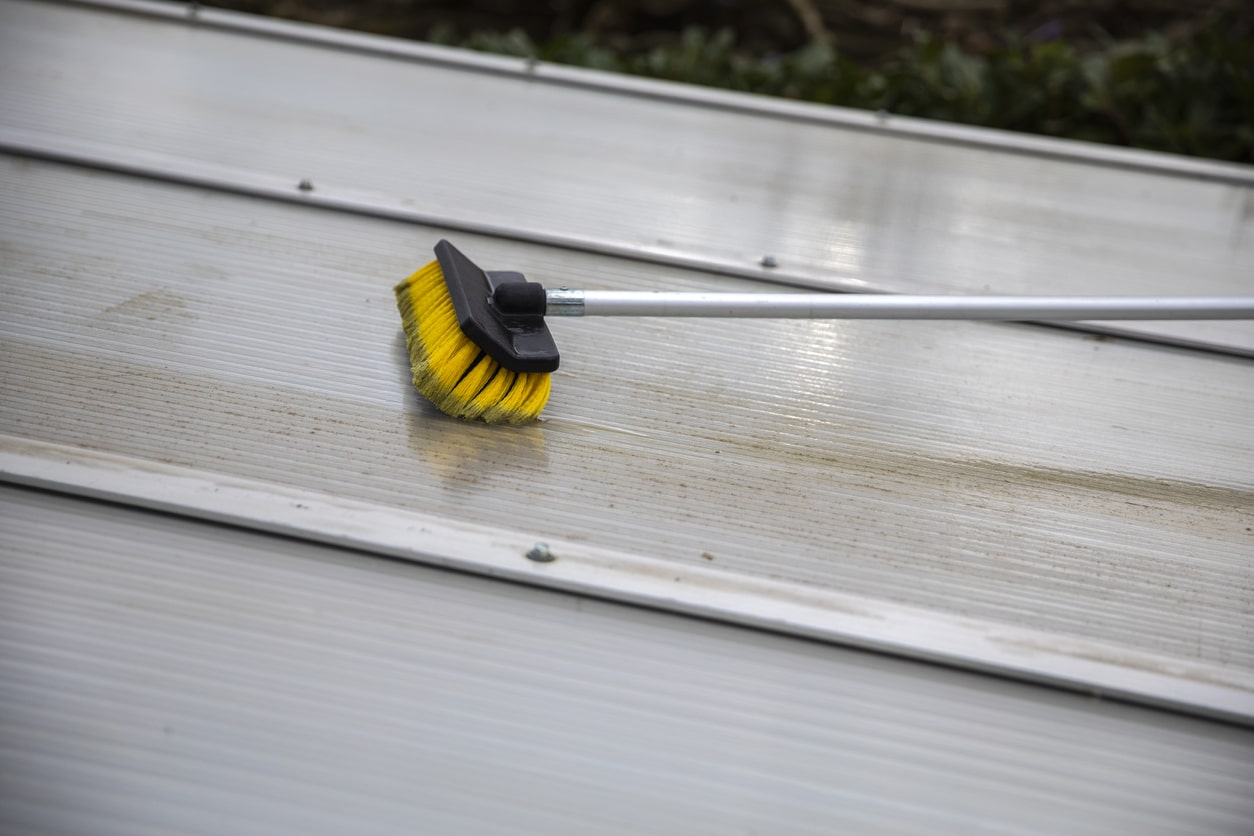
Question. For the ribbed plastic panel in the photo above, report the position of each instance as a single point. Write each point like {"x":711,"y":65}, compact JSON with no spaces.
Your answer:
{"x":658,"y":170}
{"x":1012,"y":474}
{"x":175,"y":333}
{"x":165,"y":676}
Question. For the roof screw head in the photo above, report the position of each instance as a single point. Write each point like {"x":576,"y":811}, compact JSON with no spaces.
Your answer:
{"x":540,"y":553}
{"x":768,"y":261}
{"x":305,"y":185}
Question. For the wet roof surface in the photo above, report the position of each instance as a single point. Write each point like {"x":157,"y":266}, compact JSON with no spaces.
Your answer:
{"x":185,"y":329}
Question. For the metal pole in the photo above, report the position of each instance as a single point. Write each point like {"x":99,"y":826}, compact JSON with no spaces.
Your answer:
{"x":563,"y":302}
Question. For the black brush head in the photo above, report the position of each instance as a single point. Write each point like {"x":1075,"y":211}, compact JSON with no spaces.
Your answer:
{"x":513,"y":333}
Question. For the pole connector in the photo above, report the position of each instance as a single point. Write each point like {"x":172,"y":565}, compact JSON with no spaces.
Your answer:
{"x":515,"y":336}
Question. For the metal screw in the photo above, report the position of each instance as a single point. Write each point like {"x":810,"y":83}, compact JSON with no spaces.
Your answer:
{"x":540,"y":553}
{"x":768,"y":261}
{"x":305,"y":185}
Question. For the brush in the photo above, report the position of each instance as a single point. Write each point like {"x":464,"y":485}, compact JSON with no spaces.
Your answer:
{"x":480,"y":348}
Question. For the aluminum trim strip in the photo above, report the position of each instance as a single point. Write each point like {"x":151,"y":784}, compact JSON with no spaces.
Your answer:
{"x":1091,"y":667}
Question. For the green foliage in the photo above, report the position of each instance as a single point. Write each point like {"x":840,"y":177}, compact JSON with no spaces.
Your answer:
{"x":1195,"y":96}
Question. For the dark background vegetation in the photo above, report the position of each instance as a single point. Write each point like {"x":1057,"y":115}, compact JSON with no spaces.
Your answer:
{"x":1168,"y":75}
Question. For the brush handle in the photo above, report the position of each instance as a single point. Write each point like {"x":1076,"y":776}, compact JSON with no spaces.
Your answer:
{"x":564,"y":302}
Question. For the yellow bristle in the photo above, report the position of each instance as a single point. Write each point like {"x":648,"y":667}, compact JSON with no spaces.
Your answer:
{"x":450,"y":370}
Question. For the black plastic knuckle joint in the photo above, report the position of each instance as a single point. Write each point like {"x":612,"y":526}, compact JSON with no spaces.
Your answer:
{"x":501,"y":312}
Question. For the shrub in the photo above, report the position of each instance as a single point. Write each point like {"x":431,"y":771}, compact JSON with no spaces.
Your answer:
{"x":1193,"y":96}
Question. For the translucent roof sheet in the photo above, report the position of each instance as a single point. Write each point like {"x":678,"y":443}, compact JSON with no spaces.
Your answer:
{"x":184,"y":329}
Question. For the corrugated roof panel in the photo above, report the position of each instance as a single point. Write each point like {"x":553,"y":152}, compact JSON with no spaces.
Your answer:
{"x":557,"y":155}
{"x":205,"y":679}
{"x":990,"y":474}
